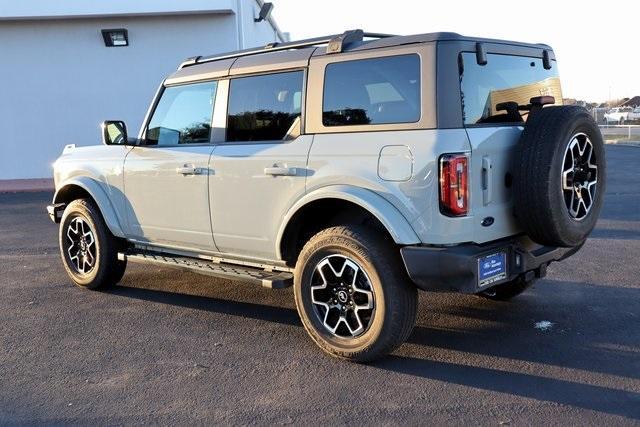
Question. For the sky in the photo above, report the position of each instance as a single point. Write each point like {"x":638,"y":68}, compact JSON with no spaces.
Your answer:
{"x":597,"y":47}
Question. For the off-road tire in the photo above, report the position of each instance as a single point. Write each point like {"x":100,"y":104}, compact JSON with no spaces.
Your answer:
{"x":107,"y":269}
{"x":507,"y":291}
{"x":396,"y":298}
{"x":539,"y":201}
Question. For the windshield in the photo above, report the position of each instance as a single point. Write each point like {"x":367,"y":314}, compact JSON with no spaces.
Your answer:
{"x":504,"y":79}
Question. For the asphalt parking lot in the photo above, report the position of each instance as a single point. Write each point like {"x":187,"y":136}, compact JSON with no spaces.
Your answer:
{"x":171,"y":347}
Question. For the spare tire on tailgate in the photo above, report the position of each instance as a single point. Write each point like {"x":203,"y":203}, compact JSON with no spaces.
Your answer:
{"x":560,"y":176}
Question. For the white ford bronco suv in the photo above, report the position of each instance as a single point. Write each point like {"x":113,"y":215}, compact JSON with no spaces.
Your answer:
{"x":357,"y":168}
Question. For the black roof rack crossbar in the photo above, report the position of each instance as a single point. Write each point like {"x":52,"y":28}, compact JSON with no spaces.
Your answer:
{"x":335,"y":44}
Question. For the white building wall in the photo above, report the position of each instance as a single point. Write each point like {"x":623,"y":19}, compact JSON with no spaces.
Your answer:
{"x":59,"y":9}
{"x":58,"y":81}
{"x":253,"y":33}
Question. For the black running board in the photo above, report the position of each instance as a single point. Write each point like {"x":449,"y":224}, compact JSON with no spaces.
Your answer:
{"x":258,"y":276}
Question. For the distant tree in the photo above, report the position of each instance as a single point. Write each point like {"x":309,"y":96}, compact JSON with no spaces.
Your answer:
{"x":615,"y":102}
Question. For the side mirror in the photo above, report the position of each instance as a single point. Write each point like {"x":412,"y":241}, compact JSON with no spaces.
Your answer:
{"x":114,"y":132}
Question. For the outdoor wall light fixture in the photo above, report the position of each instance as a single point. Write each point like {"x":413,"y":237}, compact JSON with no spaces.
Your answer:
{"x":115,"y":37}
{"x":265,"y":12}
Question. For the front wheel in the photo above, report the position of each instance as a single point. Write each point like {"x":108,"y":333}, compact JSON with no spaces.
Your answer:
{"x":352,"y":293}
{"x":89,"y":251}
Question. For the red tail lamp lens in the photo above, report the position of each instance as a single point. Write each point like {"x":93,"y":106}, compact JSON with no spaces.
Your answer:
{"x":454,"y":173}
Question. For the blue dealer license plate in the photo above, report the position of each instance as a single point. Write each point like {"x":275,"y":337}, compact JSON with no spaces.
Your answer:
{"x":492,"y":268}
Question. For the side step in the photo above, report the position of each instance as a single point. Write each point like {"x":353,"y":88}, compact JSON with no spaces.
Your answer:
{"x":258,"y":276}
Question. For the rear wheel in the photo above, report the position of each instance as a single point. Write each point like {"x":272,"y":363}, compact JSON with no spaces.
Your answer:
{"x":352,"y":293}
{"x":506,"y":291}
{"x":89,"y":251}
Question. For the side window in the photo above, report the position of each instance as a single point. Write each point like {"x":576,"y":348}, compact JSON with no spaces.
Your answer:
{"x":183,"y":115}
{"x":265,"y":108}
{"x":372,"y":91}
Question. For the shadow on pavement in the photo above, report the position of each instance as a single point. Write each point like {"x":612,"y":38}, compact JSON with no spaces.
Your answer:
{"x":596,"y":398}
{"x":577,"y":353}
{"x":267,"y":313}
{"x":588,"y":335}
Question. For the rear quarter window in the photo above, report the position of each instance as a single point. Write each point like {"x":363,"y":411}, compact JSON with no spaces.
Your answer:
{"x":372,"y":91}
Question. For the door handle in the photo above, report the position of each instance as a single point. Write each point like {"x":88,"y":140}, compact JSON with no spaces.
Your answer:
{"x":486,"y":180}
{"x":276,"y":170}
{"x":188,"y":170}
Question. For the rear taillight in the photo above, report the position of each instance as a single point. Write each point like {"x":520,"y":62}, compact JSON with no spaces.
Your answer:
{"x":454,"y":173}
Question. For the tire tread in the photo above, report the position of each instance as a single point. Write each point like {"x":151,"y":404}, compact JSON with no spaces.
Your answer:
{"x":395,"y":281}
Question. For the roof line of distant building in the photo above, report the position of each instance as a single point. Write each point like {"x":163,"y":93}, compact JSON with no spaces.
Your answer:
{"x":71,"y":9}
{"x":81,"y":9}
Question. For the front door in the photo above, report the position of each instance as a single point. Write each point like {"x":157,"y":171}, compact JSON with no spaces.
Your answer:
{"x":260,"y":170}
{"x":166,"y":179}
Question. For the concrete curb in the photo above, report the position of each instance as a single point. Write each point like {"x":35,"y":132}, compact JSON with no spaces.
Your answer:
{"x":620,"y":142}
{"x":26,"y":185}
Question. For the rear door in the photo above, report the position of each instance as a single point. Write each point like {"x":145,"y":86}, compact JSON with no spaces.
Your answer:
{"x":260,"y":169}
{"x":166,"y":179}
{"x":494,"y":134}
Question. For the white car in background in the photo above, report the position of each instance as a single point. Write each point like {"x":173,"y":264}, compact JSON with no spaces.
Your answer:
{"x":622,"y":115}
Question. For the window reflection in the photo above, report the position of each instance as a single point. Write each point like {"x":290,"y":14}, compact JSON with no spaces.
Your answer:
{"x":265,"y":108}
{"x":504,"y":79}
{"x":372,"y":91}
{"x":183,"y":115}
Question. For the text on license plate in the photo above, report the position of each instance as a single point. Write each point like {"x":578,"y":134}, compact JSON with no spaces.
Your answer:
{"x":492,"y":268}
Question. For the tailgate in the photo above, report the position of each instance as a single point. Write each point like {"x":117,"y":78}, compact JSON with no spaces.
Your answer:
{"x":491,"y":177}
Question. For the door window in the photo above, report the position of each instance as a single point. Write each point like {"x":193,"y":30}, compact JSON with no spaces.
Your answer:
{"x":372,"y":91}
{"x":265,"y":108}
{"x":183,"y":115}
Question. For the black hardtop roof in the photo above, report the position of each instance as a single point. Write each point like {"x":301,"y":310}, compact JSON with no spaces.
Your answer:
{"x":352,"y":40}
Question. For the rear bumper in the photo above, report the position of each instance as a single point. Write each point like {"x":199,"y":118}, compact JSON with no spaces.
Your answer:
{"x":455,"y":268}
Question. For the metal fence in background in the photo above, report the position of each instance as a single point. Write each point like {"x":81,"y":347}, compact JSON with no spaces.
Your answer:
{"x":628,"y":131}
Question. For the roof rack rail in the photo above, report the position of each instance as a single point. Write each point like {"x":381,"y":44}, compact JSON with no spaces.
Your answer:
{"x":335,"y":44}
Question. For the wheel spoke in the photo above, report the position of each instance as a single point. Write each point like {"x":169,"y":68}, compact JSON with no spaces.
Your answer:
{"x":89,"y":258}
{"x":89,"y":238}
{"x":333,"y":329}
{"x":583,"y":205}
{"x":72,"y":229}
{"x":565,"y":179}
{"x":574,"y":200}
{"x":358,"y":329}
{"x":591,"y":188}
